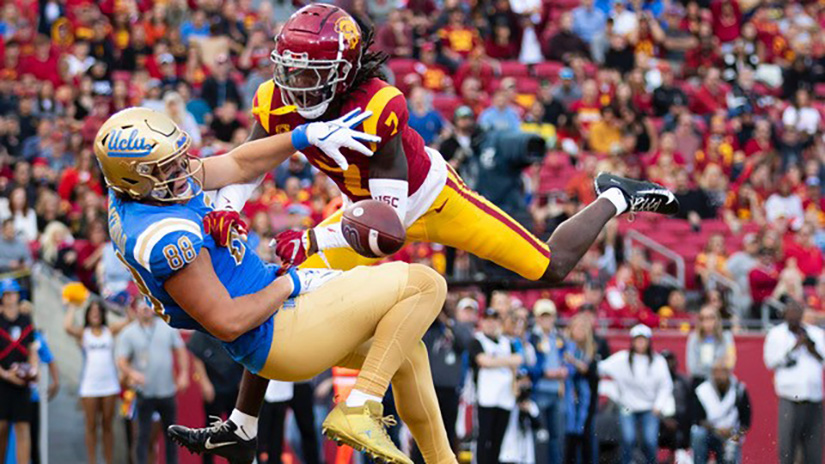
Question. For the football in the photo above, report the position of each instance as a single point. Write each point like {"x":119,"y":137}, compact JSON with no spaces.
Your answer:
{"x":372,"y":228}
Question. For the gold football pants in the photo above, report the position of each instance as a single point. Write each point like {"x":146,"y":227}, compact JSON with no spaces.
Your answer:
{"x":372,"y":319}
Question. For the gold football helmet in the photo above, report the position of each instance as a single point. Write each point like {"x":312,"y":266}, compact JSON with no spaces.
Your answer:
{"x":144,"y":155}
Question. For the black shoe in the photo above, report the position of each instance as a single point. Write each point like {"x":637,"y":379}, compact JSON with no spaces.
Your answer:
{"x":641,"y":196}
{"x":219,"y":439}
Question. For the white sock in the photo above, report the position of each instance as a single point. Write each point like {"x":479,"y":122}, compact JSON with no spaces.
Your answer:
{"x":247,"y":425}
{"x":615,"y":196}
{"x":358,"y":398}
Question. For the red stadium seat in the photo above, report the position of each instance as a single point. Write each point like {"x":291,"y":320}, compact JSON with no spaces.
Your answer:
{"x":513,"y":69}
{"x":527,"y":85}
{"x":548,"y":70}
{"x":819,"y":90}
{"x":446,"y":105}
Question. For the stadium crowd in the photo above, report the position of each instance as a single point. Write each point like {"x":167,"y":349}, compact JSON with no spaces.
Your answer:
{"x":718,"y":100}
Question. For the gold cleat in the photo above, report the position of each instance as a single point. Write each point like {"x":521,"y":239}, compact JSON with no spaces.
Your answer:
{"x":364,"y":428}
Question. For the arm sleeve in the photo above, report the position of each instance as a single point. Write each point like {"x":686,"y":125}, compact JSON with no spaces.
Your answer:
{"x":43,"y":350}
{"x":609,"y":367}
{"x":234,"y":197}
{"x":475,"y":350}
{"x":690,"y":354}
{"x":168,"y":245}
{"x":774,"y":354}
{"x":123,"y":347}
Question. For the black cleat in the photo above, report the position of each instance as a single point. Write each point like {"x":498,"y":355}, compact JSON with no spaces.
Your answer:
{"x":219,"y":439}
{"x":641,"y":195}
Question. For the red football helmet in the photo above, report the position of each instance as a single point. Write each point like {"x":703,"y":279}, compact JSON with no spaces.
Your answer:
{"x":316,"y":56}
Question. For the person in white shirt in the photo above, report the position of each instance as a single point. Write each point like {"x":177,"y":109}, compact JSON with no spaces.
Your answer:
{"x":795,"y":352}
{"x":784,"y":203}
{"x":644,"y":387}
{"x":494,"y":363}
{"x":801,"y":115}
{"x":625,"y":22}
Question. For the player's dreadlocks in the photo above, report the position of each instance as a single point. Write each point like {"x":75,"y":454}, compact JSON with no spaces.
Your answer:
{"x":371,"y":61}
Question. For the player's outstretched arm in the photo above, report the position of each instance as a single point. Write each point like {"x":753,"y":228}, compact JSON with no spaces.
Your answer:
{"x":224,"y":317}
{"x":251,"y":160}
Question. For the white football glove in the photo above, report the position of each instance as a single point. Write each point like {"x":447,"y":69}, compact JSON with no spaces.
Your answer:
{"x":309,"y":280}
{"x":331,"y":136}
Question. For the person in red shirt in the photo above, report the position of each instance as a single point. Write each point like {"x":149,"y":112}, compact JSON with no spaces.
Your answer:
{"x":501,"y":45}
{"x":808,"y":256}
{"x":580,"y":186}
{"x":763,"y":279}
{"x":761,"y":144}
{"x":395,"y":37}
{"x":727,"y":20}
{"x":89,"y":253}
{"x":84,"y":172}
{"x":433,"y":76}
{"x":711,"y":95}
{"x":458,"y":39}
{"x":43,"y":63}
{"x":705,"y":55}
{"x":475,"y":66}
{"x":588,"y":109}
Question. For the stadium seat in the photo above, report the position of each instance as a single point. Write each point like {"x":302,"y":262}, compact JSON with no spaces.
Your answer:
{"x":527,"y":85}
{"x":513,"y":69}
{"x":548,"y":70}
{"x":446,"y":105}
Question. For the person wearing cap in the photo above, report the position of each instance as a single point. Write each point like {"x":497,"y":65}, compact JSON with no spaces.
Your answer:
{"x":550,"y":375}
{"x":567,"y":91}
{"x":494,"y":365}
{"x":464,"y":141}
{"x":644,"y":389}
{"x":18,"y":368}
{"x":795,"y":352}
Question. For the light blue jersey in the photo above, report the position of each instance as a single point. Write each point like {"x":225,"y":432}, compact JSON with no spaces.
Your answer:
{"x":156,"y":241}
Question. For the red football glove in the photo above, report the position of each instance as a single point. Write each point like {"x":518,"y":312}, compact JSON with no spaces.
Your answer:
{"x":219,"y":224}
{"x":289,"y":246}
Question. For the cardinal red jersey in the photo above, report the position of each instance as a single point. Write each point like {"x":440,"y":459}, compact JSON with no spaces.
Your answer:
{"x":389,"y":119}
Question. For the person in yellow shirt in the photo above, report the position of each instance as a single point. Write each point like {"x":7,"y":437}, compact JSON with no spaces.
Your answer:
{"x":606,"y":135}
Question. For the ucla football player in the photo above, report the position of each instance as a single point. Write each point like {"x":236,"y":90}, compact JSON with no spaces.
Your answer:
{"x":276,"y":323}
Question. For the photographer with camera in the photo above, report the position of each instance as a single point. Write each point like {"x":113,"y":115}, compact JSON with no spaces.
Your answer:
{"x":18,"y":361}
{"x":795,"y":351}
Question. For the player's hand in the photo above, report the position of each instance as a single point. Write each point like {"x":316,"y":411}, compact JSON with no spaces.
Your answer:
{"x":331,"y":136}
{"x":308,"y":280}
{"x":219,"y":224}
{"x":291,"y":247}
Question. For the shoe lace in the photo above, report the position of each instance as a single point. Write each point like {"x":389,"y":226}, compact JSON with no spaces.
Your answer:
{"x":385,"y":422}
{"x":646,"y":203}
{"x":217,"y":425}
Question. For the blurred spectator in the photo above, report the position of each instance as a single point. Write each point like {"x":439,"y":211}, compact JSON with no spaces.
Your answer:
{"x":722,"y":415}
{"x":551,"y":373}
{"x":579,"y":187}
{"x":518,"y":444}
{"x":395,"y":37}
{"x":423,"y":118}
{"x":463,"y":141}
{"x":14,"y":254}
{"x":45,"y":360}
{"x":678,"y":40}
{"x":217,"y":375}
{"x":763,"y":279}
{"x":297,"y":167}
{"x":493,"y":363}
{"x":713,"y":260}
{"x":674,"y":432}
{"x":579,"y":354}
{"x":589,"y":23}
{"x":501,"y":116}
{"x":501,"y":45}
{"x":620,"y":55}
{"x":99,"y":383}
{"x":707,"y":344}
{"x":711,"y":96}
{"x":668,"y":95}
{"x":800,"y":115}
{"x":645,"y":387}
{"x":145,"y":351}
{"x":18,"y":367}
{"x":694,"y":203}
{"x":176,"y":109}
{"x":625,"y":22}
{"x":659,"y":291}
{"x":567,"y":91}
{"x":447,"y":341}
{"x":225,"y":123}
{"x":113,"y":277}
{"x":272,"y":418}
{"x":89,"y":254}
{"x":16,"y":207}
{"x":566,"y":44}
{"x":739,"y":266}
{"x":458,"y":39}
{"x":795,"y":352}
{"x":606,"y":134}
{"x":808,"y":256}
{"x":219,"y":88}
{"x":784,"y":203}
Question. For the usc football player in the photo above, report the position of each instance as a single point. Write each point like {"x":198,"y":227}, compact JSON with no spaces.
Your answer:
{"x":324,"y":68}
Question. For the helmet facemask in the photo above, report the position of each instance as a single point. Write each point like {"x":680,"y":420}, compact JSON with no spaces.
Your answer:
{"x":170,"y":177}
{"x":309,"y":85}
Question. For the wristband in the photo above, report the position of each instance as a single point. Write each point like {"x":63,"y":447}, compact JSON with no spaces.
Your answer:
{"x":299,"y":137}
{"x":296,"y":282}
{"x":394,"y":192}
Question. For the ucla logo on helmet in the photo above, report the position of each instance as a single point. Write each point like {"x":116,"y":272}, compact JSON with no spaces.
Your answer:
{"x":347,"y":28}
{"x":129,"y":145}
